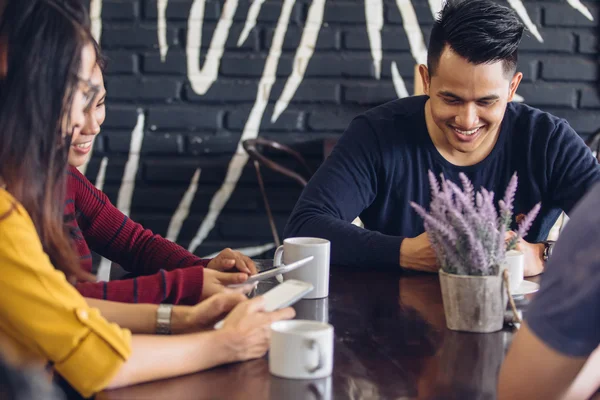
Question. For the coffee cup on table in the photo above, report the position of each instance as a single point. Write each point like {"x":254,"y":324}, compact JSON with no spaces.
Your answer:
{"x":316,"y":271}
{"x":313,"y":309}
{"x":515,"y":264}
{"x":301,"y":349}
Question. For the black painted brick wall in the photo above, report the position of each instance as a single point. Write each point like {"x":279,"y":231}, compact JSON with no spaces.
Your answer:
{"x":185,"y":131}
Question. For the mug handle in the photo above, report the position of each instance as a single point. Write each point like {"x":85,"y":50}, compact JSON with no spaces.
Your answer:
{"x":311,"y":344}
{"x":277,"y":259}
{"x":278,"y":255}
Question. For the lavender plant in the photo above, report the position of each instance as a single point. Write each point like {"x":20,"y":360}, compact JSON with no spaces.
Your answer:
{"x":466,"y":231}
{"x":506,"y":214}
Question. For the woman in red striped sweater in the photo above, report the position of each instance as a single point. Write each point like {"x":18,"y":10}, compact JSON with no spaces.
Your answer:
{"x":167,"y":273}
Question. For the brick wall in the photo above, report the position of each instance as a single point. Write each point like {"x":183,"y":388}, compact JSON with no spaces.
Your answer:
{"x":183,"y":129}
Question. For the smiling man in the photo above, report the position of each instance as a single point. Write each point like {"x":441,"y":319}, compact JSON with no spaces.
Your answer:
{"x":466,"y":123}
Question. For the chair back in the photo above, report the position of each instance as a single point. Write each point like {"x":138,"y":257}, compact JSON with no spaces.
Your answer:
{"x":254,"y":148}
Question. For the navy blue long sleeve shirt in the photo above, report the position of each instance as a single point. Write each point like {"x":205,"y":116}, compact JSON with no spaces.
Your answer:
{"x":380,"y":165}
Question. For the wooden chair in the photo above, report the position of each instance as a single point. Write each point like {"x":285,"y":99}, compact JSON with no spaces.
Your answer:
{"x":254,"y":148}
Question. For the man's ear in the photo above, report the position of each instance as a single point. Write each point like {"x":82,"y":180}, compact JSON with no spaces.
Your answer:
{"x":425,"y":80}
{"x":514,"y":84}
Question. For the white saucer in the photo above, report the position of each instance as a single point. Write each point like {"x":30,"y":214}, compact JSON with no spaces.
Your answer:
{"x":526,"y":287}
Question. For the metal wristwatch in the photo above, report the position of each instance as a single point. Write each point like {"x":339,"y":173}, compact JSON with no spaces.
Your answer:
{"x":548,"y":246}
{"x":163,"y":319}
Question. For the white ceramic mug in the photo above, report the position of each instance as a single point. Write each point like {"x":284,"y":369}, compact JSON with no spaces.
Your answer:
{"x":515,"y":264}
{"x":316,"y":271}
{"x":313,"y":309}
{"x":301,"y":349}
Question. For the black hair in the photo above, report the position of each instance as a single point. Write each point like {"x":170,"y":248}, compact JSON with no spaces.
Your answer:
{"x":80,"y":15}
{"x":481,"y":31}
{"x":41,"y":44}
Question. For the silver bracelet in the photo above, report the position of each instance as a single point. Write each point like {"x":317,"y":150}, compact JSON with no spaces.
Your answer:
{"x":163,"y":319}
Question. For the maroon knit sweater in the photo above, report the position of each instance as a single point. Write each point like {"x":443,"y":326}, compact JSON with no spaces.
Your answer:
{"x":167,"y":273}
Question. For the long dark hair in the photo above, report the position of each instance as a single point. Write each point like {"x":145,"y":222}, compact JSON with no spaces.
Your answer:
{"x":41,"y":43}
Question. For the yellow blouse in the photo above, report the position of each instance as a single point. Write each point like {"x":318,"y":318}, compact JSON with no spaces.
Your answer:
{"x":44,"y":317}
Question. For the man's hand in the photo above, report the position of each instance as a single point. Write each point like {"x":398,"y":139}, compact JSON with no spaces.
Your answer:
{"x":534,"y":255}
{"x":417,"y":253}
{"x":228,"y":259}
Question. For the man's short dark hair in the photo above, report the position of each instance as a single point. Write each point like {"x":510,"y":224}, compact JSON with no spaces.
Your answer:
{"x":481,"y":31}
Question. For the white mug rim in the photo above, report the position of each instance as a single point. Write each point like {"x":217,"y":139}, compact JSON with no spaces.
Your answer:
{"x":287,"y":327}
{"x":294,"y":241}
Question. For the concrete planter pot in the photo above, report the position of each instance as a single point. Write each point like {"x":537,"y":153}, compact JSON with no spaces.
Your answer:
{"x":473,"y":303}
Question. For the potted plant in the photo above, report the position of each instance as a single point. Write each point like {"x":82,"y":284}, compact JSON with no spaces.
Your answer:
{"x":469,"y":237}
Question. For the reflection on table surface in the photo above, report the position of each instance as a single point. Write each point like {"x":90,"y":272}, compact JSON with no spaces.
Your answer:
{"x":391,"y":342}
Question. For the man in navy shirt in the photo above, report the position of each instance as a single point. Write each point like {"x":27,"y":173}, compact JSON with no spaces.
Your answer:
{"x":562,"y":324}
{"x":466,"y":123}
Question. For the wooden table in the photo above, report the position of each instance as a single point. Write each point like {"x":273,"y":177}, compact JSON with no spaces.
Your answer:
{"x":391,"y":342}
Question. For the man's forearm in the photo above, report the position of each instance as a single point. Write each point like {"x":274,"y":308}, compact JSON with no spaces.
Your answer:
{"x":139,"y":318}
{"x":418,"y":254}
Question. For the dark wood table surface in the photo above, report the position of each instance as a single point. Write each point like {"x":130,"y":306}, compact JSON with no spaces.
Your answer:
{"x":391,"y":342}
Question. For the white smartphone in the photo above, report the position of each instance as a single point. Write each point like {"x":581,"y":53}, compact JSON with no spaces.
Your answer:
{"x":282,"y":295}
{"x":274,"y":270}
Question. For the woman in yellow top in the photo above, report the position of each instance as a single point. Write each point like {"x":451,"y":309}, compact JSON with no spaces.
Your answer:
{"x":46,"y":60}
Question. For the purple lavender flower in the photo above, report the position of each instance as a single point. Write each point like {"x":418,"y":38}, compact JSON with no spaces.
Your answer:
{"x":528,"y":220}
{"x":468,"y":188}
{"x":506,"y":204}
{"x":442,"y":229}
{"x":435,"y":187}
{"x":511,"y":189}
{"x":524,"y":226}
{"x":476,"y":253}
{"x":464,"y":227}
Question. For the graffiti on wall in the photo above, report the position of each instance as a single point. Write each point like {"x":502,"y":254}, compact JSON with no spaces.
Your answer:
{"x":202,"y":78}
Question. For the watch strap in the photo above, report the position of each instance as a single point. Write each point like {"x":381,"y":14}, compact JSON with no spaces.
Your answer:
{"x":548,"y":246}
{"x":163,"y":319}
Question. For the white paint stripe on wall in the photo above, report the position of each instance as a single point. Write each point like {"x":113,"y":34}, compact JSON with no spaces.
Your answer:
{"x":304,"y":53}
{"x":413,"y":31}
{"x":520,"y":9}
{"x":183,"y":210}
{"x":251,"y":129}
{"x":374,"y":17}
{"x":96,"y":19}
{"x":103,"y":273}
{"x":435,"y":6}
{"x":250,"y":21}
{"x":132,"y":165}
{"x":248,"y":251}
{"x":101,"y":173}
{"x":579,"y":6}
{"x":202,"y":79}
{"x":162,"y":28}
{"x":399,"y":85}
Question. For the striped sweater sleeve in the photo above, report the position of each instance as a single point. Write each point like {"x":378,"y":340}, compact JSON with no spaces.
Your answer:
{"x":169,"y":273}
{"x":181,"y":286}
